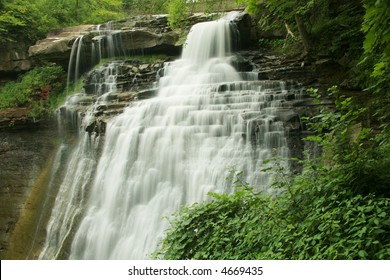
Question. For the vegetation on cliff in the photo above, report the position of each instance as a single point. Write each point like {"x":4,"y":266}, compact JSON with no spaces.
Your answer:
{"x":41,"y":90}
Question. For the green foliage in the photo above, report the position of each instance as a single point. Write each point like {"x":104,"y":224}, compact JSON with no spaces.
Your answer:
{"x":337,"y":28}
{"x":178,"y":13}
{"x":350,"y":145}
{"x":334,"y":127}
{"x":23,"y":19}
{"x":30,"y":20}
{"x":376,"y":25}
{"x":145,"y":6}
{"x":36,"y":89}
{"x":377,"y":52}
{"x":333,"y":27}
{"x":73,"y":12}
{"x":312,"y":219}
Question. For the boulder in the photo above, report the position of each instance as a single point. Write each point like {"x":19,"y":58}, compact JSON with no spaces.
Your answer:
{"x":14,"y":58}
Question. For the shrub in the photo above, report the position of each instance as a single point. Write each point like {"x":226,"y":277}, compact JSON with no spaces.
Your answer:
{"x":36,"y":89}
{"x":312,"y":219}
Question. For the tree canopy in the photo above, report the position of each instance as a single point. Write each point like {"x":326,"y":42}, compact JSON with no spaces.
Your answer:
{"x":30,"y":19}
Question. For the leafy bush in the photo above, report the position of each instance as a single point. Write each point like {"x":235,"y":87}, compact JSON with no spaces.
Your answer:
{"x":23,"y":20}
{"x":312,"y":220}
{"x":354,"y":146}
{"x":178,"y":12}
{"x":35,"y":89}
{"x":30,"y":20}
{"x":315,"y":217}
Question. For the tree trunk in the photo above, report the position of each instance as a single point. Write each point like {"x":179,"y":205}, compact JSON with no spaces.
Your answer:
{"x":304,"y":35}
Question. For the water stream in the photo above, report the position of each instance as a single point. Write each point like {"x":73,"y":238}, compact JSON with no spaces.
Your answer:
{"x":168,"y":151}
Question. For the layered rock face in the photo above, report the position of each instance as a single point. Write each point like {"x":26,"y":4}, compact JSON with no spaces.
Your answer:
{"x":58,"y":44}
{"x":108,"y":89}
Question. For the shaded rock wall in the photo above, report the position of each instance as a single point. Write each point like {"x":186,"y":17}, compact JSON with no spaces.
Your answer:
{"x":23,"y":155}
{"x":14,"y":59}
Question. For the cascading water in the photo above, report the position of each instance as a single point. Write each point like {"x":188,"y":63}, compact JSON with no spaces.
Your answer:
{"x":75,"y":61}
{"x":173,"y":149}
{"x":70,"y":199}
{"x":80,"y":168}
{"x":106,"y":43}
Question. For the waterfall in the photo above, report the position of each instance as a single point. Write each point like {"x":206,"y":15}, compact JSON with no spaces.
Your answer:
{"x":106,"y":43}
{"x":80,"y":168}
{"x":70,"y":199}
{"x":170,"y":150}
{"x":74,"y":62}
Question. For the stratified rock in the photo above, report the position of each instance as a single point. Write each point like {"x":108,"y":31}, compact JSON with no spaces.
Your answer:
{"x":58,"y":44}
{"x":135,"y":35}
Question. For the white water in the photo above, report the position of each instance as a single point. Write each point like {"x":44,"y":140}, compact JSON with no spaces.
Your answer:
{"x":172,"y":150}
{"x":107,"y":43}
{"x":74,"y":62}
{"x":70,"y":199}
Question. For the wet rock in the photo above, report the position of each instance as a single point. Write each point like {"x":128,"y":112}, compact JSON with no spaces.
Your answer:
{"x":145,"y":94}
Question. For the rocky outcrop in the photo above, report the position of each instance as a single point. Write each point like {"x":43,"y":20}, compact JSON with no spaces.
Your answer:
{"x":299,"y":75}
{"x":58,"y":44}
{"x":135,"y":35}
{"x":16,"y":119}
{"x":14,"y":58}
{"x":148,"y":34}
{"x":108,"y":90}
